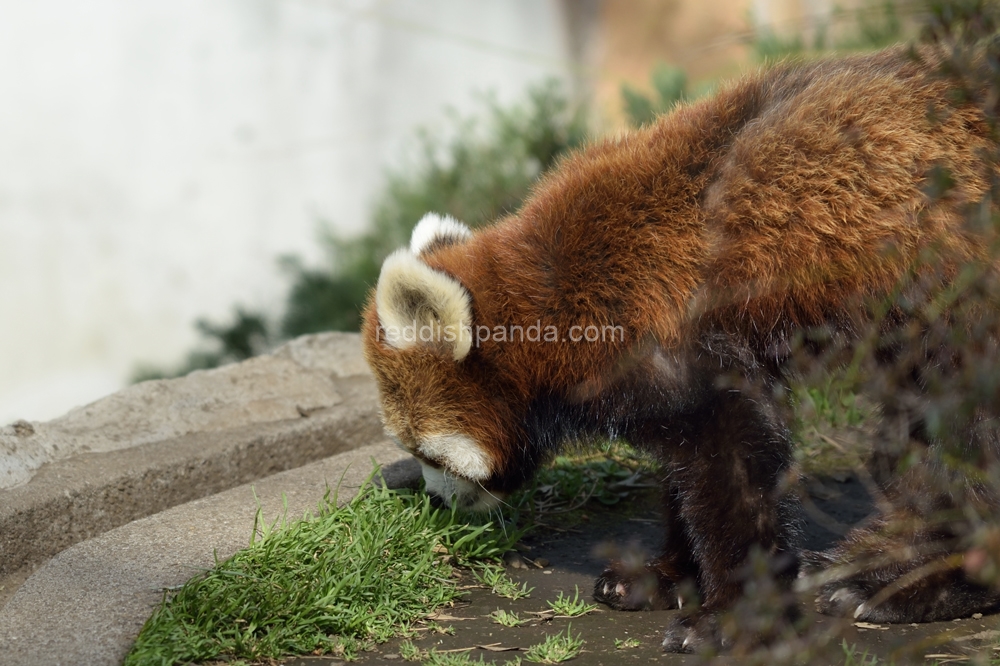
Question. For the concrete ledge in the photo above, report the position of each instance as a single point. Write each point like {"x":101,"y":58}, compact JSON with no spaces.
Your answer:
{"x":87,"y":605}
{"x":159,"y":444}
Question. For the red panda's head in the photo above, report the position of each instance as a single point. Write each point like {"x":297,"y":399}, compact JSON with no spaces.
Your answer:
{"x":439,"y":401}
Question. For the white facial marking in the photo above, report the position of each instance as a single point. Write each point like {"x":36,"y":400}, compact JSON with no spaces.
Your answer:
{"x":458,"y":453}
{"x":433,"y":227}
{"x":457,"y":492}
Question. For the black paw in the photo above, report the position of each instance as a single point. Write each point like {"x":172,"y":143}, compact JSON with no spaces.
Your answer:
{"x":642,"y":590}
{"x":696,"y":633}
{"x":934,"y":599}
{"x":843,"y":599}
{"x":623,"y":592}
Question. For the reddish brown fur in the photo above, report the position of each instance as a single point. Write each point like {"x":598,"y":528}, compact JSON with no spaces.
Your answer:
{"x":775,"y":204}
{"x":769,"y":206}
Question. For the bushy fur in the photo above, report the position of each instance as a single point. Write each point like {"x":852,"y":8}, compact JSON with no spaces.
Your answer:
{"x":711,"y":238}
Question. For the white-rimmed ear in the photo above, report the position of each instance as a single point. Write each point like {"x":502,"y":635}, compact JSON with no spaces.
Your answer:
{"x":418,"y":305}
{"x":435,"y":231}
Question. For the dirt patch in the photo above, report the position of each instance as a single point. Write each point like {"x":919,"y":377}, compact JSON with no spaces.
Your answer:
{"x":574,"y":553}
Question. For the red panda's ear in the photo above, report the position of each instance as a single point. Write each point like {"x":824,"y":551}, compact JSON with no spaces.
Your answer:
{"x":418,"y":305}
{"x":434,"y":231}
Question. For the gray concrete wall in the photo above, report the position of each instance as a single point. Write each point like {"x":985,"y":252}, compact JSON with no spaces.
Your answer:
{"x":157,"y":157}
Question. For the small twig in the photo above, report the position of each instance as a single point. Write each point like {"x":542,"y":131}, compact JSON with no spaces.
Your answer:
{"x":468,"y":649}
{"x":496,"y":647}
{"x":948,"y":658}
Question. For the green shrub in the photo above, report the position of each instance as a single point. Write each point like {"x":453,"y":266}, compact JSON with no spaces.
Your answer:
{"x":669,"y":86}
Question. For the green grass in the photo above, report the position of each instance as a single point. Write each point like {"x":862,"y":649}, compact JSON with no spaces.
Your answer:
{"x":832,"y":424}
{"x":495,"y":577}
{"x":409,"y":652}
{"x":357,"y":575}
{"x":829,"y":403}
{"x":626,"y":644}
{"x":336,"y":583}
{"x":556,"y":648}
{"x":571,"y":607}
{"x":852,"y":658}
{"x":435,"y":658}
{"x":599,"y":477}
{"x":507,"y":619}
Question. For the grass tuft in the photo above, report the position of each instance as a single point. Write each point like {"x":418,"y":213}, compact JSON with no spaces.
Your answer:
{"x":409,"y":652}
{"x":335,"y":583}
{"x":495,"y":577}
{"x":555,"y":648}
{"x":507,"y":619}
{"x":434,"y":658}
{"x":626,"y":644}
{"x":575,"y":607}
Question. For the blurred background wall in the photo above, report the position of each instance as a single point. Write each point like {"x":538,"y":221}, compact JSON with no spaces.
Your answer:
{"x":157,"y":157}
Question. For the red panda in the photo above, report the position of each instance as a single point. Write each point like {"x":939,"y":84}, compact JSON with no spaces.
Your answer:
{"x":646,"y":267}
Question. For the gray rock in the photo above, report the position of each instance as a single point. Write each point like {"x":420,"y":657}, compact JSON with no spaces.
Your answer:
{"x":298,"y":378}
{"x":163,"y":443}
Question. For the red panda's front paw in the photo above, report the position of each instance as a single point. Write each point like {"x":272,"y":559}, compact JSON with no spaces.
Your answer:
{"x":640,"y":590}
{"x":617,"y":591}
{"x":842,"y":600}
{"x":693,"y":633}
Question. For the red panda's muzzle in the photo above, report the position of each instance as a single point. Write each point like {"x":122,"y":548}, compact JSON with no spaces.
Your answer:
{"x":450,"y":490}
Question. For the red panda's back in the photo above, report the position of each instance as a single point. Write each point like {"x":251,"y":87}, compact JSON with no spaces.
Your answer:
{"x":773,"y":204}
{"x":822,"y":199}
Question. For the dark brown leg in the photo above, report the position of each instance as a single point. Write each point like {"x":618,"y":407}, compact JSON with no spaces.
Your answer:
{"x":726,"y":456}
{"x":728,"y":467}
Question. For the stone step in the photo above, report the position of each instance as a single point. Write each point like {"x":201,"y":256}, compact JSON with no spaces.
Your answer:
{"x":87,"y":604}
{"x":162,"y":443}
{"x":104,"y":507}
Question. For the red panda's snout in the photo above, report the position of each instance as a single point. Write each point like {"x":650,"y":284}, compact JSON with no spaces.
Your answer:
{"x":455,"y":469}
{"x":458,"y":492}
